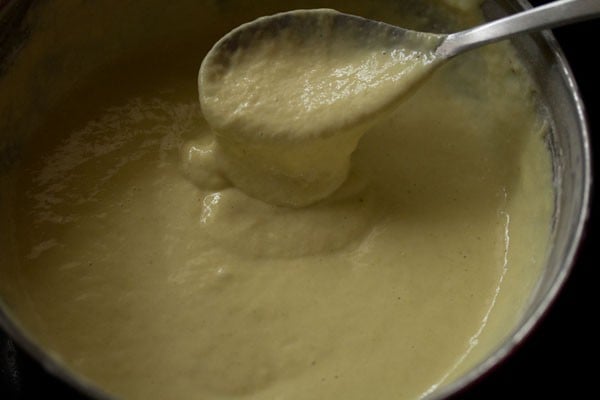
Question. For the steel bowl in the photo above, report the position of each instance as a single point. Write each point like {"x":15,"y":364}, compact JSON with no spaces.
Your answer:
{"x":568,"y":141}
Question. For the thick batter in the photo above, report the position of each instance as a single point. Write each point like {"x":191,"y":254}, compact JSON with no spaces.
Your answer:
{"x":154,"y":286}
{"x":289,"y":97}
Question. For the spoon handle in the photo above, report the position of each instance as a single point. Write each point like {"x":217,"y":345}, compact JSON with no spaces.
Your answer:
{"x":553,"y":14}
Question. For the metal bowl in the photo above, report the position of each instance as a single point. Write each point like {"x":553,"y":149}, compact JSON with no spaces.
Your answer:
{"x":568,"y":142}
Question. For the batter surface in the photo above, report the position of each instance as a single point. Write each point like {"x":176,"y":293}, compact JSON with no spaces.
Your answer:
{"x":155,"y":286}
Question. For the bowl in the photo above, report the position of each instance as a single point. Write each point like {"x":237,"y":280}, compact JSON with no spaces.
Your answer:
{"x":60,"y":60}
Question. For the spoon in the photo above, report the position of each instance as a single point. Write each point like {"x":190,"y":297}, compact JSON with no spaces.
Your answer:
{"x":289,"y":95}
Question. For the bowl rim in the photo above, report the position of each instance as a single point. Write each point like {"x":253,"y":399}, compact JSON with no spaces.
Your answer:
{"x":518,"y":335}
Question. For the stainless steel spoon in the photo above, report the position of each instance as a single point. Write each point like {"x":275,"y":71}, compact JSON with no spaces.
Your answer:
{"x":244,"y":102}
{"x":557,"y":13}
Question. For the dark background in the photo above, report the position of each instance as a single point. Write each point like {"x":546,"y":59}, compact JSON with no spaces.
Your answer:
{"x":558,"y":360}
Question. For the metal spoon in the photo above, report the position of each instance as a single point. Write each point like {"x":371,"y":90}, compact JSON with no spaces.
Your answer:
{"x":551,"y":15}
{"x":307,"y":151}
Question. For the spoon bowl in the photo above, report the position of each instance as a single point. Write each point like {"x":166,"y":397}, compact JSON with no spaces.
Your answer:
{"x":321,"y":39}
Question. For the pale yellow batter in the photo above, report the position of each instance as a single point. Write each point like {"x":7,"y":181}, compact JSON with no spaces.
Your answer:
{"x":157,"y":279}
{"x":289,"y":96}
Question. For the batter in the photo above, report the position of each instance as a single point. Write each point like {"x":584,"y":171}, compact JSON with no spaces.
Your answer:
{"x":289,"y":103}
{"x":151,"y":275}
